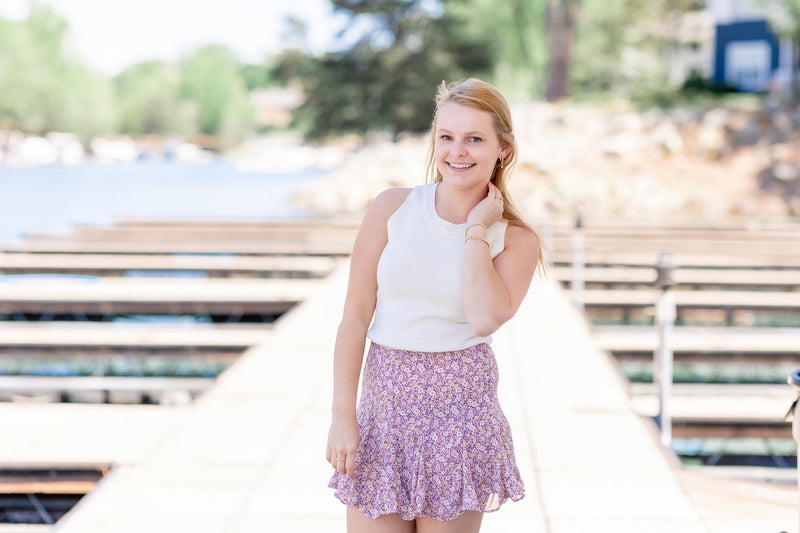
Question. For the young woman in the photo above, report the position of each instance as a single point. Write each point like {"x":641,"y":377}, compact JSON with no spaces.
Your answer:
{"x":435,"y":270}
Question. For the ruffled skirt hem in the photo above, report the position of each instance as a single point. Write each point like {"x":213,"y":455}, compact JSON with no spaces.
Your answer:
{"x":488,"y":504}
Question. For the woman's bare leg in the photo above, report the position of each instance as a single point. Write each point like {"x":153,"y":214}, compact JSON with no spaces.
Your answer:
{"x":390,"y":523}
{"x":467,"y":522}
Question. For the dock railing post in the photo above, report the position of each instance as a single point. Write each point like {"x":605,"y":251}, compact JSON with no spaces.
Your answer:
{"x":663,"y":356}
{"x":578,"y":260}
{"x":793,"y":415}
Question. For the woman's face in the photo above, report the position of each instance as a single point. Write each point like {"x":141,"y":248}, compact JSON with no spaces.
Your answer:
{"x":466,"y":148}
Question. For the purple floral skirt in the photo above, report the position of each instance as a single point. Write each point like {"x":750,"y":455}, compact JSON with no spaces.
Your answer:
{"x":434,"y":441}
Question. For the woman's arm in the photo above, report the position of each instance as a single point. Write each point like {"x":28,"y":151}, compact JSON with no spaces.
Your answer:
{"x":493,"y":290}
{"x":359,"y":308}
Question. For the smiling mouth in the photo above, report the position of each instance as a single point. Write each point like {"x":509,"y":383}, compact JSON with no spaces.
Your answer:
{"x":461,"y":166}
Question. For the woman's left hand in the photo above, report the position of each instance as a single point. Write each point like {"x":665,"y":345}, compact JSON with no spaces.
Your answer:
{"x":489,"y":210}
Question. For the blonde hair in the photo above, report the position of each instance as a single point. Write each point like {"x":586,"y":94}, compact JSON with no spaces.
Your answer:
{"x":480,"y":95}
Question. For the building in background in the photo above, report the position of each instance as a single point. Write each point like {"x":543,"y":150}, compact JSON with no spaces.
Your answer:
{"x":731,"y":43}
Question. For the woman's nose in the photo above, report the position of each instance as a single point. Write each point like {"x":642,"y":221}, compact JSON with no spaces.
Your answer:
{"x":458,"y":147}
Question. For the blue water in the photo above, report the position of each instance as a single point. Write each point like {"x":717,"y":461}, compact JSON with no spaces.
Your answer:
{"x":60,"y":197}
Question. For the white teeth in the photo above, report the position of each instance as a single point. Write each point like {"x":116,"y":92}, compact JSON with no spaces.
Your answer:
{"x":460,"y":165}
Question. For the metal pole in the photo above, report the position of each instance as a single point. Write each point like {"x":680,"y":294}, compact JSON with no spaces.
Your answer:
{"x":578,"y":260}
{"x":793,"y":415}
{"x":666,"y":314}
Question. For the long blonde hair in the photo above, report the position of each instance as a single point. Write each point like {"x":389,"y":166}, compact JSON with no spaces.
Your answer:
{"x":480,"y":95}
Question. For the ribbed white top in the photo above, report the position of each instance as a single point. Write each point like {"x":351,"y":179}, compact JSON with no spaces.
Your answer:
{"x":419,"y":302}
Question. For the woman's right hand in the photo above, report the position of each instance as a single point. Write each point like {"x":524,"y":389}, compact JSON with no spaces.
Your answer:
{"x":343,"y":439}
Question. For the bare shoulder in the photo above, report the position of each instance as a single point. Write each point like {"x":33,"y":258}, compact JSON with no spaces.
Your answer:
{"x":392,"y":198}
{"x":522,"y":239}
{"x":387,"y":202}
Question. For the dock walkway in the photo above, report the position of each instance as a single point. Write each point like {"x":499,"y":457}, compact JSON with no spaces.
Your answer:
{"x":249,"y":455}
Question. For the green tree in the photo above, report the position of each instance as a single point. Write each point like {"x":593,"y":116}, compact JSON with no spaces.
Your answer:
{"x":43,"y":87}
{"x":515,"y":27}
{"x":622,"y":46}
{"x":147,"y":99}
{"x":213,"y":88}
{"x":784,"y":17}
{"x":257,"y":76}
{"x":611,"y":48}
{"x":387,"y":80}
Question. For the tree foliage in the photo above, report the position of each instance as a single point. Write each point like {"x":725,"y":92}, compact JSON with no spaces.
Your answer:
{"x":211,"y":83}
{"x":516,"y":28}
{"x":397,"y":53}
{"x":387,"y":80}
{"x":612,"y":52}
{"x":622,"y":46}
{"x":784,"y":17}
{"x":146,"y":97}
{"x":43,"y":87}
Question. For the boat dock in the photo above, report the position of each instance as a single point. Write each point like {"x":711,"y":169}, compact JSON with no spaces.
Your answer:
{"x":247,"y":454}
{"x":155,"y":296}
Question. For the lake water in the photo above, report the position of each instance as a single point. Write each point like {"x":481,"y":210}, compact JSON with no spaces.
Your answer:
{"x":60,"y":197}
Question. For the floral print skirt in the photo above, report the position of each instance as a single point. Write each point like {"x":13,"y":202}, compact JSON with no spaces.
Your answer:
{"x":434,"y":441}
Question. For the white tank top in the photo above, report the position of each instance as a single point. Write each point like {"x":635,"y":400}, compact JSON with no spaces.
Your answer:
{"x":419,"y":303}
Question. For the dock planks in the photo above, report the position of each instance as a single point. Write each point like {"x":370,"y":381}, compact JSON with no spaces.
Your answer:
{"x":728,"y":273}
{"x":154,"y":296}
{"x":227,"y":266}
{"x":314,"y":237}
{"x":780,"y":259}
{"x":687,"y":299}
{"x":703,"y":344}
{"x":48,"y":482}
{"x":703,"y":411}
{"x":691,"y":278}
{"x":73,"y":245}
{"x":92,"y":336}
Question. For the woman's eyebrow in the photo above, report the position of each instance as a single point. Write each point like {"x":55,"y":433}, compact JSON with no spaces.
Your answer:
{"x":473,"y":132}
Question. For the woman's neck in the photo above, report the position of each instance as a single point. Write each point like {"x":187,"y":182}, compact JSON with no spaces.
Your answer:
{"x":453,"y":205}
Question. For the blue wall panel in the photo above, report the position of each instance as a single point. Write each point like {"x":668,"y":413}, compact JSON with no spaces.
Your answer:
{"x":754,"y":30}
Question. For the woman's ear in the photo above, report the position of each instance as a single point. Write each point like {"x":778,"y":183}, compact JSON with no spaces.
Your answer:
{"x":506,"y":149}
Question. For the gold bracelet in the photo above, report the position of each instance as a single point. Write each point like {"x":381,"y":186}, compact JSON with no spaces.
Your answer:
{"x":476,"y":224}
{"x":477,"y":237}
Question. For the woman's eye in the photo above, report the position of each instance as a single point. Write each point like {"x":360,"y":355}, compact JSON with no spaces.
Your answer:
{"x":475,"y":139}
{"x":445,"y":137}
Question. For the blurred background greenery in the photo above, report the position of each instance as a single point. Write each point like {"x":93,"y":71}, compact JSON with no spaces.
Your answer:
{"x":382,"y":81}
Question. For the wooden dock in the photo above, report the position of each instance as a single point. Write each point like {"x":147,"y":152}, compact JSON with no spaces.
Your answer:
{"x":278,"y":238}
{"x":759,"y":345}
{"x":728,"y":411}
{"x":81,"y":295}
{"x":730,"y":281}
{"x":158,"y":296}
{"x":786,"y":259}
{"x":167,"y":265}
{"x":603,"y":277}
{"x":694,"y":243}
{"x":728,"y":302}
{"x":106,"y":389}
{"x":240,"y":457}
{"x":133,"y":338}
{"x":74,"y":245}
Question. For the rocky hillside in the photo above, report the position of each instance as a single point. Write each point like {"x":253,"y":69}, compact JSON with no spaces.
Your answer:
{"x":714,"y":163}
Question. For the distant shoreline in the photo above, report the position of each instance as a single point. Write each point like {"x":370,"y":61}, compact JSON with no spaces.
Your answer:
{"x":57,"y":197}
